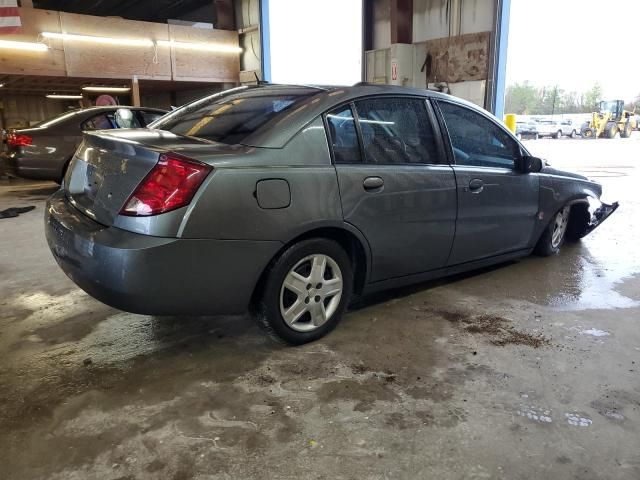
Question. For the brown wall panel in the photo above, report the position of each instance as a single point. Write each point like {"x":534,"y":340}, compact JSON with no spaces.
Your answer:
{"x":111,"y":61}
{"x":194,"y":65}
{"x":74,"y":58}
{"x":22,"y":62}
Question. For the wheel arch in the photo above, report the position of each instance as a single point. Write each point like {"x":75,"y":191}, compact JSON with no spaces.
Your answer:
{"x":579,"y":203}
{"x":346,"y":235}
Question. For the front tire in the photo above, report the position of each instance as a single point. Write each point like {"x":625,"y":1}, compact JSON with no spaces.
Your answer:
{"x":306,"y":291}
{"x":610,"y":130}
{"x":558,"y":135}
{"x":554,"y":235}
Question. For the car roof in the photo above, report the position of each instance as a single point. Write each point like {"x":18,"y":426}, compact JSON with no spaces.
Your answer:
{"x":277,"y":132}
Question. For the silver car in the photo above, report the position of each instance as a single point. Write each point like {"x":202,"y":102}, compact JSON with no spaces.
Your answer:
{"x":286,"y":200}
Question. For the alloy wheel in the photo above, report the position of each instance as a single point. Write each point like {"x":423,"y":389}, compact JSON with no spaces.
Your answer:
{"x":311,"y":292}
{"x":560,"y":226}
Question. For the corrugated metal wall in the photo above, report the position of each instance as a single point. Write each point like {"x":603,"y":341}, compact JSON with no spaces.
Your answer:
{"x":434,"y":19}
{"x":26,"y":110}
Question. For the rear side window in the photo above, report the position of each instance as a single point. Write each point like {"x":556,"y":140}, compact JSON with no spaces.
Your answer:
{"x":476,"y":140}
{"x":232,"y":116}
{"x":343,"y":135}
{"x":396,"y":131}
{"x":98,"y":122}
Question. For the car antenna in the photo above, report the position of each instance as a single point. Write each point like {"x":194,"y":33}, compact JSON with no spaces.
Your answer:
{"x":258,"y":81}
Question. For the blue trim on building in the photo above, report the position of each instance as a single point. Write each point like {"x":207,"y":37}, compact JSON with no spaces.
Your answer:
{"x":501,"y":66}
{"x":265,"y":40}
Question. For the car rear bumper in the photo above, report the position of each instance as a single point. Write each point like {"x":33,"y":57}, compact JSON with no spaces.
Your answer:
{"x":152,"y":275}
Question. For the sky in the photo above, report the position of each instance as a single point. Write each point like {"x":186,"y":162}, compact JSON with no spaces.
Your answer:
{"x":574,"y":43}
{"x":311,"y":44}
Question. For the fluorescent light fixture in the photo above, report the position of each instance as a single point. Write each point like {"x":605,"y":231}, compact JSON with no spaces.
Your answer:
{"x":31,"y":46}
{"x":57,"y":96}
{"x":142,"y":42}
{"x":106,"y":89}
{"x":205,"y":47}
{"x":128,"y":42}
{"x":1,"y":85}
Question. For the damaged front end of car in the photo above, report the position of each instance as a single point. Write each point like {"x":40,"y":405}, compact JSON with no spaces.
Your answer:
{"x":599,"y":212}
{"x":587,"y":216}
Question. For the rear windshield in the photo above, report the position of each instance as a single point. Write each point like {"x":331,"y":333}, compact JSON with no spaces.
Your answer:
{"x":230,"y":117}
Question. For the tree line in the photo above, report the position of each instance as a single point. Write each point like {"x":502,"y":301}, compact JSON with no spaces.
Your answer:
{"x":526,"y":99}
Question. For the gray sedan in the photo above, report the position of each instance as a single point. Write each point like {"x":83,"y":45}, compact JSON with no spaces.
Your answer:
{"x":44,"y":151}
{"x":286,"y":200}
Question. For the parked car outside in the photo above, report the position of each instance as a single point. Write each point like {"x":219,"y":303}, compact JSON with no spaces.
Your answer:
{"x":286,"y":200}
{"x":44,"y":151}
{"x":527,"y":129}
{"x":549,"y":128}
{"x":569,"y":128}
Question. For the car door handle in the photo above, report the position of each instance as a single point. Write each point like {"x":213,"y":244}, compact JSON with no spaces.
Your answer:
{"x":372,"y":183}
{"x":476,"y":185}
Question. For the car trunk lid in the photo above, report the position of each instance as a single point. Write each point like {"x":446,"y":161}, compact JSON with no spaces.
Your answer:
{"x":109,"y":165}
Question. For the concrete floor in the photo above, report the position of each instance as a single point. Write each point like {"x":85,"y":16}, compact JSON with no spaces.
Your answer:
{"x":528,"y":370}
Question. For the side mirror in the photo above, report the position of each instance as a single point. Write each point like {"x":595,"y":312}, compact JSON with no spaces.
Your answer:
{"x":529,"y":164}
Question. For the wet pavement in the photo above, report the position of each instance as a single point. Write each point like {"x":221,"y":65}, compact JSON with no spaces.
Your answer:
{"x":526,"y":370}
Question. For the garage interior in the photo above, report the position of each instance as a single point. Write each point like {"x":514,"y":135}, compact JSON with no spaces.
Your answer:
{"x":525,"y":370}
{"x":119,"y":44}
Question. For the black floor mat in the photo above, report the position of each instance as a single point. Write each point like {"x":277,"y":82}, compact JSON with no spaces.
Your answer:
{"x":15,"y":211}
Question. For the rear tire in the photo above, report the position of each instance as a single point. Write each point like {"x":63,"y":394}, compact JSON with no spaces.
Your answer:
{"x":626,"y":132}
{"x":306,"y":292}
{"x":574,"y":134}
{"x":554,"y":235}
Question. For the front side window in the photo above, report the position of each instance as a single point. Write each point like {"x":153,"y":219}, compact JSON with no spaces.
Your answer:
{"x":396,"y":131}
{"x":476,"y":140}
{"x":343,"y":135}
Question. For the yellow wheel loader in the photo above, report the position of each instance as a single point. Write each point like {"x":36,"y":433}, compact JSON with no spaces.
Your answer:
{"x":611,"y":119}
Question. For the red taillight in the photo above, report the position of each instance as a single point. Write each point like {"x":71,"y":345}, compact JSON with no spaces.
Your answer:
{"x":171,"y":184}
{"x":19,"y":139}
